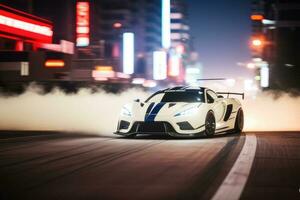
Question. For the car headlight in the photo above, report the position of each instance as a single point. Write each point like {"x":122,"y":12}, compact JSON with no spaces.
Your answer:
{"x":189,"y":111}
{"x":126,"y":111}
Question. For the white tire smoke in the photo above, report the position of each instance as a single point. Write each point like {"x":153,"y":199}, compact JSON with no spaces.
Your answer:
{"x":98,"y":112}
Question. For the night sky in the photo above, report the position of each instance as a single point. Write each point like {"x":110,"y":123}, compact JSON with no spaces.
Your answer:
{"x":221,"y":31}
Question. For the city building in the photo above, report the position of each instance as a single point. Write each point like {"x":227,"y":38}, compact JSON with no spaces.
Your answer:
{"x":275,"y":42}
{"x":109,"y":40}
{"x":179,"y":24}
{"x":180,"y":41}
{"x":26,"y":49}
{"x":113,"y":18}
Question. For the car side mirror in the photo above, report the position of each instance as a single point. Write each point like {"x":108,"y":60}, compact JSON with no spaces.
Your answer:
{"x":137,"y":100}
{"x":220,"y":96}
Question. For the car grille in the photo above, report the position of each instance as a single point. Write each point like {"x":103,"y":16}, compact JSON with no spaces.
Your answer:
{"x":152,"y":127}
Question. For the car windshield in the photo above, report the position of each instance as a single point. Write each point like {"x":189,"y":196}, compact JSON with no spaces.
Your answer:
{"x":178,"y":96}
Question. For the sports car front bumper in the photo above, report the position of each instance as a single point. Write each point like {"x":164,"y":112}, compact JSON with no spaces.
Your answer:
{"x":157,"y":127}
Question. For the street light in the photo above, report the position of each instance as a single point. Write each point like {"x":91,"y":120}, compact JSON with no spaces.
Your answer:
{"x":257,"y":42}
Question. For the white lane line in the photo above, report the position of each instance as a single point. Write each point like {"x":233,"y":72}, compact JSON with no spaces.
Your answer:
{"x":235,"y":181}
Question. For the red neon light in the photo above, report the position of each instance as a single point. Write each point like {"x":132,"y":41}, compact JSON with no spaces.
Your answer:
{"x":25,"y":27}
{"x":54,"y":63}
{"x":82,"y":23}
{"x":19,"y":45}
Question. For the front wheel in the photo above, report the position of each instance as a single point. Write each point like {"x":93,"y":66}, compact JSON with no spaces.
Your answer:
{"x":210,"y":124}
{"x":239,"y":121}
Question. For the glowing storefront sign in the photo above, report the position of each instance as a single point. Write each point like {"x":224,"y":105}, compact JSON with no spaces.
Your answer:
{"x":159,"y":65}
{"x":25,"y":27}
{"x":128,"y":53}
{"x":54,"y":63}
{"x":82,"y":24}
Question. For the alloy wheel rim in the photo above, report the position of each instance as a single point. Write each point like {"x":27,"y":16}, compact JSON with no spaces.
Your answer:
{"x":210,"y":125}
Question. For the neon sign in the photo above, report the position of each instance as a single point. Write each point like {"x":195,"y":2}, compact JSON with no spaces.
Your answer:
{"x":82,"y":24}
{"x":25,"y":27}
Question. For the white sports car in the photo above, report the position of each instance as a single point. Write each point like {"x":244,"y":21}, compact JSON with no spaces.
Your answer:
{"x":182,"y":112}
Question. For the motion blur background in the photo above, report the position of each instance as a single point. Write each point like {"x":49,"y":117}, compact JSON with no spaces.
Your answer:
{"x":64,"y":65}
{"x":150,"y":42}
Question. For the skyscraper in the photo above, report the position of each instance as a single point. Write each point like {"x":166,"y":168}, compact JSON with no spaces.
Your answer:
{"x":179,"y":24}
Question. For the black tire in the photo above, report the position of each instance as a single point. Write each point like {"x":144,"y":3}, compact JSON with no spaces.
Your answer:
{"x":210,"y":124}
{"x":239,"y":121}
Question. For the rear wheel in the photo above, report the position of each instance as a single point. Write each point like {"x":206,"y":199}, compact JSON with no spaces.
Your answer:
{"x":210,"y":124}
{"x":239,"y":121}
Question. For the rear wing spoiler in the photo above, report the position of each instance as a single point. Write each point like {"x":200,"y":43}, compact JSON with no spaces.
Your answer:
{"x":232,"y":93}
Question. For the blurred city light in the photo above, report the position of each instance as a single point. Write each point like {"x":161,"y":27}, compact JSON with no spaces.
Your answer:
{"x":117,"y":25}
{"x":268,"y":22}
{"x":159,"y":65}
{"x":82,"y":24}
{"x":100,"y":74}
{"x":128,"y":53}
{"x":257,"y":59}
{"x":174,"y":65}
{"x":116,"y":50}
{"x":257,"y":17}
{"x":251,"y":65}
{"x":54,"y":63}
{"x":166,"y":23}
{"x":180,"y":49}
{"x":138,"y":81}
{"x":256,"y":42}
{"x":264,"y":75}
{"x":122,"y":75}
{"x":104,"y":68}
{"x":150,"y":83}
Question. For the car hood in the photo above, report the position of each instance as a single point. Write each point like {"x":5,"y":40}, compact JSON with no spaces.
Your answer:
{"x":152,"y":109}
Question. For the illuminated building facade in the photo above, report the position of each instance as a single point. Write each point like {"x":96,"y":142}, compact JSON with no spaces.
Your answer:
{"x":103,"y":32}
{"x":179,"y":24}
{"x":180,"y":41}
{"x":275,"y":40}
{"x":113,"y":18}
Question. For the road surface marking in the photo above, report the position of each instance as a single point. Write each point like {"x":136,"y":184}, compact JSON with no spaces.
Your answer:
{"x":235,"y":181}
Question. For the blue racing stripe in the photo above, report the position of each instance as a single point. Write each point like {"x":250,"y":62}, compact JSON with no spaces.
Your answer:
{"x":151,"y":116}
{"x":148,"y":110}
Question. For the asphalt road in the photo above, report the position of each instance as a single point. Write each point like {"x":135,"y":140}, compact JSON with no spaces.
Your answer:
{"x":46,"y":165}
